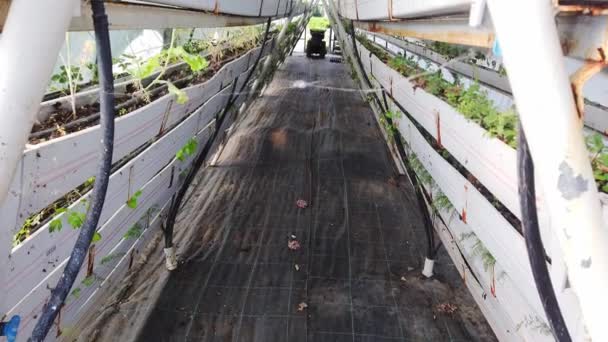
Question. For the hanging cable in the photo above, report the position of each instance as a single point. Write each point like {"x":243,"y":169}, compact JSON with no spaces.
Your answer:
{"x":198,"y":162}
{"x":534,"y":243}
{"x":106,"y":102}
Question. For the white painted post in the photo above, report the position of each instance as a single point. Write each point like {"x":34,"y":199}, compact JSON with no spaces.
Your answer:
{"x":533,"y":56}
{"x":31,"y":39}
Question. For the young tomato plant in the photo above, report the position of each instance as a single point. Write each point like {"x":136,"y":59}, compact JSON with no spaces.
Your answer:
{"x":599,"y":160}
{"x":141,"y":70}
{"x":132,"y":201}
{"x":187,"y":150}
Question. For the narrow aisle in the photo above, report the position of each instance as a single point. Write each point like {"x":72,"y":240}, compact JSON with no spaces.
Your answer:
{"x":304,"y":233}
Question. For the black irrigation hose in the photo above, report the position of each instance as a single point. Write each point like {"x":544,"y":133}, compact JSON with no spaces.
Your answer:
{"x":431,"y":251}
{"x":534,"y":243}
{"x":202,"y":156}
{"x":79,"y":253}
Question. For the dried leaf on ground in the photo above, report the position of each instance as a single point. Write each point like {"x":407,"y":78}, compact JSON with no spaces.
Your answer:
{"x":301,"y":203}
{"x":302,"y":306}
{"x":446,"y":308}
{"x":294,"y":245}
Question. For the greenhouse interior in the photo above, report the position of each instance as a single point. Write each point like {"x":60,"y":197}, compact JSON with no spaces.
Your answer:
{"x":304,"y":170}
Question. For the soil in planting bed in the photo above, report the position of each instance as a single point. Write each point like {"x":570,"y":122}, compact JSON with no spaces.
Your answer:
{"x":64,"y":121}
{"x":299,"y":232}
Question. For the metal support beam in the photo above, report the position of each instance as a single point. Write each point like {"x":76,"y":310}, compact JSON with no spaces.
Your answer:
{"x":125,"y":16}
{"x":23,"y":80}
{"x":450,"y":30}
{"x":553,"y":128}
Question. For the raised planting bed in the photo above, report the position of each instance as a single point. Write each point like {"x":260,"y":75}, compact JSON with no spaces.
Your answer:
{"x":498,"y":254}
{"x":181,"y":66}
{"x":487,"y":71}
{"x":437,"y":106}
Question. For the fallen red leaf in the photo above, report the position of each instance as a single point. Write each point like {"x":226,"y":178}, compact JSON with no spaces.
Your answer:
{"x":294,"y":245}
{"x":301,"y":203}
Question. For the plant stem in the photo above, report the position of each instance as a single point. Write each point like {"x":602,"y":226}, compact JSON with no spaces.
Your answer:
{"x":164,"y":68}
{"x":71,"y":85}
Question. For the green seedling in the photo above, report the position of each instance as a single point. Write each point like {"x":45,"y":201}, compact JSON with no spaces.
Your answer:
{"x":133,"y":232}
{"x":599,"y":160}
{"x":132,"y":201}
{"x":187,"y":150}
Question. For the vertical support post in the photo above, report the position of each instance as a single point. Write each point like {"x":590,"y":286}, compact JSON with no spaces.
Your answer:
{"x":553,"y":128}
{"x":23,"y":79}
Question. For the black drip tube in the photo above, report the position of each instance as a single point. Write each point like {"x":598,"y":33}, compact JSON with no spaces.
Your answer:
{"x":198,"y":162}
{"x":79,"y":253}
{"x":534,"y":243}
{"x":431,"y":251}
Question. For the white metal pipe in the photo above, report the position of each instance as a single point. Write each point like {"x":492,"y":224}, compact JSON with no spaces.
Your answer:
{"x":533,"y":57}
{"x":25,"y":72}
{"x":31,"y":39}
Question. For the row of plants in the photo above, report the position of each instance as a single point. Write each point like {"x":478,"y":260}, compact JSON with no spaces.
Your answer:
{"x":471,"y":102}
{"x":474,"y":104}
{"x":197,"y":69}
{"x":74,"y":217}
{"x":150,"y":79}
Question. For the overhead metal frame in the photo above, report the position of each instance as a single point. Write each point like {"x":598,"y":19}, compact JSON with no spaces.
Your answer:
{"x":130,"y":16}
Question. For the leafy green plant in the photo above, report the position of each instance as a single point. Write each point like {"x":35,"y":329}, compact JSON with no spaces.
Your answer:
{"x":481,"y":251}
{"x":65,"y":76}
{"x":88,"y":281}
{"x":76,"y":292}
{"x":423,"y":175}
{"x":195,"y":46}
{"x":76,"y":219}
{"x":134,"y":232}
{"x":473,"y":102}
{"x":503,"y":126}
{"x":132,"y":201}
{"x":317,"y":24}
{"x":140,"y":70}
{"x":441,"y":202}
{"x":406,"y":66}
{"x":448,"y":50}
{"x":96,"y":237}
{"x":535,"y":323}
{"x":388,"y":121}
{"x":187,"y":150}
{"x":106,"y":259}
{"x":599,"y":160}
{"x":94,"y":70}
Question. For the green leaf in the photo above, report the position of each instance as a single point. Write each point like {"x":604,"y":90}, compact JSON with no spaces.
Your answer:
{"x":180,"y":155}
{"x":595,"y":143}
{"x":55,"y":225}
{"x":132,"y":202}
{"x":89,"y":181}
{"x":195,"y":62}
{"x":96,"y":237}
{"x":146,"y":69}
{"x":76,"y":219}
{"x":603,"y":159}
{"x":605,"y":187}
{"x":133,"y":232}
{"x":76,"y":292}
{"x":88,"y":281}
{"x":181,"y":95}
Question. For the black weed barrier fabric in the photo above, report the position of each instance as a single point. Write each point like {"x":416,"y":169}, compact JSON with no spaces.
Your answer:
{"x":305,"y":233}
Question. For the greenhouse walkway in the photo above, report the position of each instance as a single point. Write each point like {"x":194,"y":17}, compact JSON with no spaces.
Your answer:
{"x":305,"y":233}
